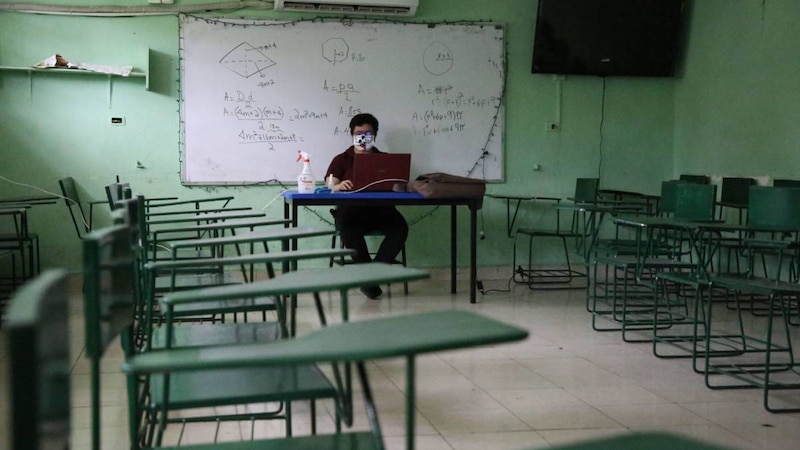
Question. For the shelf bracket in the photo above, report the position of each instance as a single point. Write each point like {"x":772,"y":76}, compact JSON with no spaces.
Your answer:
{"x":110,"y":90}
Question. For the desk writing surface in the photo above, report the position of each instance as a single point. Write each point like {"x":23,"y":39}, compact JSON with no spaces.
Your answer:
{"x":30,"y":200}
{"x":306,"y":281}
{"x":654,"y":222}
{"x":277,"y":234}
{"x":594,"y":208}
{"x":355,"y":341}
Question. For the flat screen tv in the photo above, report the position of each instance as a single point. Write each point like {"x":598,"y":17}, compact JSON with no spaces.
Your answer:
{"x":609,"y":37}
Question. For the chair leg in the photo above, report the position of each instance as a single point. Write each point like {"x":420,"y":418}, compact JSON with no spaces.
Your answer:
{"x":403,"y":260}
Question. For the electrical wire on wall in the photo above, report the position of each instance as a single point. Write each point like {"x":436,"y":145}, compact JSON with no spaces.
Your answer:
{"x":37,"y":188}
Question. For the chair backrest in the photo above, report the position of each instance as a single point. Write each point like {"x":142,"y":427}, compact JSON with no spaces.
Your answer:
{"x":37,"y":332}
{"x":110,"y":292}
{"x":116,"y":193}
{"x":109,"y":271}
{"x":696,"y":179}
{"x":774,"y":207}
{"x":695,"y":201}
{"x":786,"y":183}
{"x":586,"y":190}
{"x":70,"y":192}
{"x":666,"y":204}
{"x":736,"y":191}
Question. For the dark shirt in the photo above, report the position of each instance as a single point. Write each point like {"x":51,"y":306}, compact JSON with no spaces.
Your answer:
{"x":342,"y":164}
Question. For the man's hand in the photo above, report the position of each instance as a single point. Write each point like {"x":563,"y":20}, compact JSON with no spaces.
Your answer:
{"x":345,"y":185}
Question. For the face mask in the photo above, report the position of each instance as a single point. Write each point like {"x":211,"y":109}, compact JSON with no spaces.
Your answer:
{"x":364,"y":141}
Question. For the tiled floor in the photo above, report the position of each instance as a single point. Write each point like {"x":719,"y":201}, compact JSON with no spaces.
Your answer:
{"x":565,"y":383}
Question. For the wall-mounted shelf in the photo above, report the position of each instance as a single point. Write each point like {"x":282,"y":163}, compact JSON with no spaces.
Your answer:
{"x":32,"y":70}
{"x":80,"y":72}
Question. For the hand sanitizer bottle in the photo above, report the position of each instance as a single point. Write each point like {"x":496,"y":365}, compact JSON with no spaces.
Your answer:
{"x":305,"y":181}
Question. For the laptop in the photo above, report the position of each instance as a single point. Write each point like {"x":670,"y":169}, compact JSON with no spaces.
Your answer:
{"x":369,"y":168}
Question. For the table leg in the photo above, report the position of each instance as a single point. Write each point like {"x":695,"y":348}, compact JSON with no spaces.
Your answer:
{"x":453,"y":248}
{"x":292,"y":266}
{"x":473,"y":252}
{"x":410,"y":406}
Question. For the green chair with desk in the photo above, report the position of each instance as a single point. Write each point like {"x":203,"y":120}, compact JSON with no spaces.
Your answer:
{"x":774,"y":223}
{"x":16,"y":237}
{"x":767,"y":209}
{"x":624,"y":253}
{"x":782,"y":182}
{"x":37,"y":336}
{"x":161,"y":277}
{"x":38,"y":339}
{"x":345,"y":344}
{"x":312,"y":282}
{"x":307,"y":385}
{"x":111,"y":291}
{"x":264,"y":238}
{"x":544,"y":278}
{"x":627,"y":302}
{"x":734,"y":197}
{"x":153,"y":248}
{"x":82,"y":223}
{"x":735,"y":194}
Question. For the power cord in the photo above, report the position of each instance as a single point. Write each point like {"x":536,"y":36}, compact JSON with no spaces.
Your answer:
{"x":489,"y":291}
{"x":83,"y":219}
{"x":373,"y":184}
{"x":275,"y":198}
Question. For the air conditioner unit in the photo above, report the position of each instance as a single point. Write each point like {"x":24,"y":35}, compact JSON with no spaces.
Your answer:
{"x":373,"y":7}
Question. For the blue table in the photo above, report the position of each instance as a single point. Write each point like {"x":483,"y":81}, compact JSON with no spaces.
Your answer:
{"x":292,"y":200}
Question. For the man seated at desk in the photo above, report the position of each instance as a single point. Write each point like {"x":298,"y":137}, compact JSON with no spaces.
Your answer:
{"x":354,"y":222}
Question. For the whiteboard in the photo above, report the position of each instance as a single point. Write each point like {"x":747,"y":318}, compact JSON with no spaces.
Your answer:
{"x":256,"y":92}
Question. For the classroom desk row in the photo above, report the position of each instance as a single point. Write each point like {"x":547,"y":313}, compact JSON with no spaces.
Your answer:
{"x":667,"y":287}
{"x":19,"y":244}
{"x":660,"y":280}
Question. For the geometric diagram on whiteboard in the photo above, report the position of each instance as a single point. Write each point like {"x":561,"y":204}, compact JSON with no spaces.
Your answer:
{"x":335,"y":50}
{"x":437,"y":59}
{"x":246,"y":60}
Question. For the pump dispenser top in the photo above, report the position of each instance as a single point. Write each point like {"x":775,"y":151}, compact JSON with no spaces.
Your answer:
{"x":305,"y":181}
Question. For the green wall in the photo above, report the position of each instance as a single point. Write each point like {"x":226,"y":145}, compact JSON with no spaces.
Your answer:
{"x":53,"y":126}
{"x":738,"y":104}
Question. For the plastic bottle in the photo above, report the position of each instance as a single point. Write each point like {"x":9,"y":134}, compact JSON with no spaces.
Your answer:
{"x":305,"y":181}
{"x":329,"y":184}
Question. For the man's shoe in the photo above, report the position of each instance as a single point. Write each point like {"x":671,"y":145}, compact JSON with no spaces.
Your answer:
{"x":372,"y":292}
